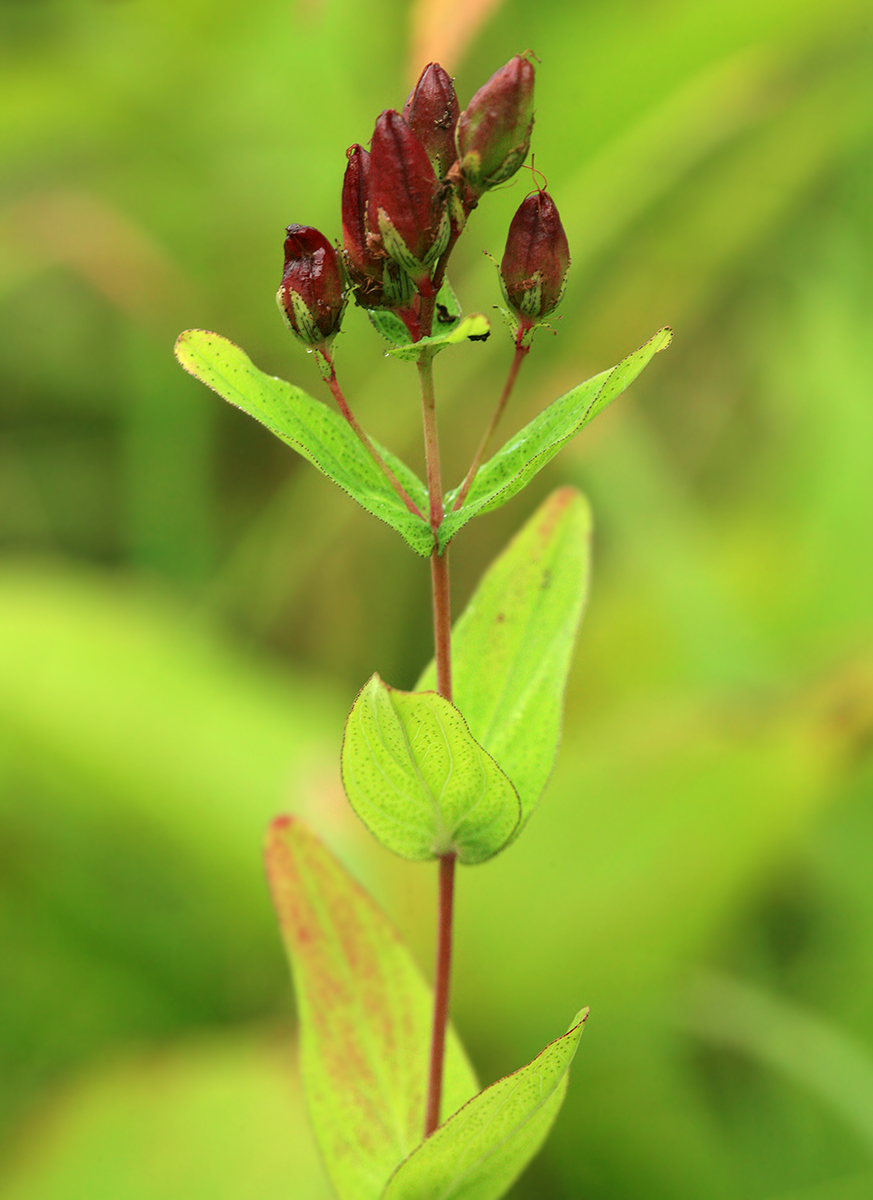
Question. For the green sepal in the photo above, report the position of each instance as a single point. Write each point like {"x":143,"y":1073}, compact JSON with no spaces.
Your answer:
{"x":315,"y":431}
{"x":480,"y":1151}
{"x":420,"y":782}
{"x":513,"y":644}
{"x":516,"y":463}
{"x":365,"y":1017}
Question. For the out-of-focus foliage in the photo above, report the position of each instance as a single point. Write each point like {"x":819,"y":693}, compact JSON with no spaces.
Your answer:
{"x":186,"y":611}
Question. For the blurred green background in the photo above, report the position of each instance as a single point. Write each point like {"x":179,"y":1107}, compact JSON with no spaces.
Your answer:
{"x":187,"y":611}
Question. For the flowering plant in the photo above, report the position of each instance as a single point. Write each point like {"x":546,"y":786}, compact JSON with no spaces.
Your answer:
{"x":453,"y":770}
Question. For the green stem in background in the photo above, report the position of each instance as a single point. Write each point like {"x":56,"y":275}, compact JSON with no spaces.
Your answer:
{"x":517,"y":359}
{"x":363,"y":438}
{"x":442,"y":630}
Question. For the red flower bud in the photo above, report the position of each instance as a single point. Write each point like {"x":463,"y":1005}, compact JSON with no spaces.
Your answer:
{"x":405,"y":205}
{"x":378,"y":282}
{"x":311,"y":295}
{"x":536,"y":259}
{"x":431,"y":112}
{"x":494,"y":130}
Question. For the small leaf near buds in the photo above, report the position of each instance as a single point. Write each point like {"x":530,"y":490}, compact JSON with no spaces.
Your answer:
{"x":431,"y":112}
{"x":494,"y":131}
{"x":536,"y":260}
{"x":311,"y":296}
{"x":406,"y":204}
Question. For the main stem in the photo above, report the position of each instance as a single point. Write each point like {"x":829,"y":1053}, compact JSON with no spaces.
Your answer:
{"x":441,"y":993}
{"x":442,"y":628}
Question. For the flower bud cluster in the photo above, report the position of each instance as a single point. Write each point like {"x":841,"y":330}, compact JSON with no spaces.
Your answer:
{"x":407,"y":198}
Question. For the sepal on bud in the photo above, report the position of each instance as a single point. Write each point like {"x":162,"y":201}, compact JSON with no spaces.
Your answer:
{"x":311,"y":296}
{"x":493,"y":134}
{"x":536,"y":261}
{"x":431,"y":112}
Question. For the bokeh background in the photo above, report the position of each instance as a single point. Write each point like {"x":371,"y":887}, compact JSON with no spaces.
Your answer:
{"x":187,"y":611}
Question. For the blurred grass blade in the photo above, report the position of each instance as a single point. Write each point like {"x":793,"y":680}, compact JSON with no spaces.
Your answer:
{"x":311,"y":428}
{"x":480,"y":1151}
{"x":365,"y":1015}
{"x":420,"y":782}
{"x":513,"y":644}
{"x":516,"y":463}
{"x":782,"y":1035}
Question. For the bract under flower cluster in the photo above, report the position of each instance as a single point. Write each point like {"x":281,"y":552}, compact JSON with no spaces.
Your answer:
{"x":407,"y":199}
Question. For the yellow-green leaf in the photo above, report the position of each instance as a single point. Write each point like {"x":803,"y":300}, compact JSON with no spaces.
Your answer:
{"x":365,"y":1017}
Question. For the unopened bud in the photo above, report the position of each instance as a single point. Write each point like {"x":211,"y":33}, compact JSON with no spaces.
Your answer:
{"x":311,"y":295}
{"x":405,"y":205}
{"x":377,"y":281}
{"x":536,"y":260}
{"x":494,"y":130}
{"x":431,"y":112}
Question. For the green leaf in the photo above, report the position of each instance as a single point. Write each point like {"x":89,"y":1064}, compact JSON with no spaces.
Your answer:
{"x":317,"y":432}
{"x":480,"y":1151}
{"x":365,"y":1017}
{"x":420,"y":782}
{"x":516,"y":463}
{"x":511,"y":648}
{"x":476,"y":327}
{"x":446,"y":317}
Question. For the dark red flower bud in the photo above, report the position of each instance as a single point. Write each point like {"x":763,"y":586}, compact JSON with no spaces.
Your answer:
{"x":311,"y":295}
{"x":377,"y":281}
{"x":431,"y":112}
{"x":494,"y":130}
{"x":536,"y":259}
{"x":405,"y":206}
{"x":355,"y":192}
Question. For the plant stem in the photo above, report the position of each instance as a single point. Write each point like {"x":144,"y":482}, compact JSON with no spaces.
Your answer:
{"x":442,"y":630}
{"x":364,"y":439}
{"x":517,"y":359}
{"x":441,"y":993}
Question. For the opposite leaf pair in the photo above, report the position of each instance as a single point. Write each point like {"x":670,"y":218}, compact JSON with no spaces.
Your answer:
{"x":325,"y":439}
{"x":430,"y":778}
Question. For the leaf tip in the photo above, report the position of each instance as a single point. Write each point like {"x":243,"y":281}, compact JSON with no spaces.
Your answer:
{"x":666,"y":337}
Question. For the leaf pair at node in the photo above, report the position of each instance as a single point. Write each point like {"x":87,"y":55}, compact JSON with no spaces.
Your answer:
{"x":324,"y":438}
{"x":427,"y":780}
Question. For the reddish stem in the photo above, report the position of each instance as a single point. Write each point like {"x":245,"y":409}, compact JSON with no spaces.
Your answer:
{"x":517,"y":359}
{"x":441,"y":992}
{"x":442,"y":631}
{"x":364,"y":439}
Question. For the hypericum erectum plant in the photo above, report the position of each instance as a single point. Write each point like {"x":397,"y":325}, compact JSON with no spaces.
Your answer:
{"x":453,"y":770}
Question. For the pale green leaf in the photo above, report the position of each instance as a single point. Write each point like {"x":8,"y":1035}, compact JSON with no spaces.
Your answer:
{"x":418,"y":779}
{"x":446,"y":317}
{"x":516,"y":463}
{"x":476,"y":327}
{"x":317,"y":432}
{"x":480,"y":1151}
{"x":511,"y":647}
{"x":365,"y":1017}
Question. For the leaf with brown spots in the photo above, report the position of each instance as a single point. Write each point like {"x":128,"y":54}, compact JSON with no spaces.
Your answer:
{"x":365,"y":1014}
